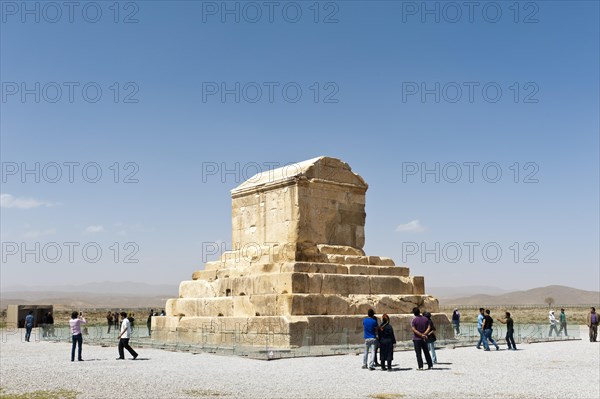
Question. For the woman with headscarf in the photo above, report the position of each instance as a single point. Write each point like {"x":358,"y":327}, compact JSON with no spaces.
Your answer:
{"x":387,"y":340}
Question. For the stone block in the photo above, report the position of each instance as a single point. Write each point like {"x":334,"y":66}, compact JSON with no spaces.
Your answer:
{"x":418,"y":283}
{"x":386,"y":261}
{"x":186,"y":307}
{"x":271,"y":305}
{"x":284,"y":305}
{"x":359,"y":232}
{"x":214,"y":265}
{"x":208,"y":275}
{"x":358,"y":270}
{"x":284,"y":252}
{"x":309,"y":267}
{"x":390,"y":285}
{"x":356,"y":260}
{"x":336,"y":305}
{"x":165,"y":323}
{"x":314,"y":283}
{"x":216,"y":307}
{"x":336,"y":258}
{"x":341,"y":269}
{"x":170,"y":307}
{"x":345,"y":284}
{"x":308,"y":305}
{"x":230,"y":272}
{"x":196,"y":289}
{"x":374,"y":260}
{"x":266,"y":268}
{"x":339,"y":250}
{"x":393,"y":271}
{"x":271,"y":284}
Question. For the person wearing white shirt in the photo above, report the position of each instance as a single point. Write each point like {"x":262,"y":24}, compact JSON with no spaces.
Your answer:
{"x":124,"y":338}
{"x":553,"y":323}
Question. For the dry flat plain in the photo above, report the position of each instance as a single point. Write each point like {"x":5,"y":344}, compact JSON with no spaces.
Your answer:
{"x":576,"y":315}
{"x":567,"y":369}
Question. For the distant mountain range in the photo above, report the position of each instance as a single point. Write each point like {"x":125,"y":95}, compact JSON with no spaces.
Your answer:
{"x":104,"y":287}
{"x":562,"y":296}
{"x":103,"y":294}
{"x":457,"y":292}
{"x":131,"y":294}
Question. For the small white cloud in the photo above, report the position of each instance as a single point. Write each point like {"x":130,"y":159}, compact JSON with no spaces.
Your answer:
{"x":94,"y":229}
{"x":39,"y":233}
{"x":414,"y":227}
{"x":9,"y":201}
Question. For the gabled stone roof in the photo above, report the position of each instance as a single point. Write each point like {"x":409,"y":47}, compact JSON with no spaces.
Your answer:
{"x":324,"y":169}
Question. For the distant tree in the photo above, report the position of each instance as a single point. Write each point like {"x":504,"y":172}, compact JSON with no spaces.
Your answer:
{"x":550,"y":301}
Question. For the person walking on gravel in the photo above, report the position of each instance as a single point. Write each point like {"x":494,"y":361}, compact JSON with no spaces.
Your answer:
{"x":488,"y":322}
{"x":124,"y":337}
{"x":28,"y":325}
{"x":510,"y":340}
{"x":480,"y":331}
{"x":420,"y":328}
{"x":592,"y":322}
{"x":370,"y":336}
{"x":562,"y":317}
{"x":553,"y":323}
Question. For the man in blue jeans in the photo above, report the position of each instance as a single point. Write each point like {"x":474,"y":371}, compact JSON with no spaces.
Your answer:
{"x":28,"y":325}
{"x":421,"y":327}
{"x":370,"y":336}
{"x":488,"y":329}
{"x":480,"y":331}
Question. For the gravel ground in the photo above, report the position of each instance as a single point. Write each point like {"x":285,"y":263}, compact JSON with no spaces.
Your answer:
{"x":542,"y":370}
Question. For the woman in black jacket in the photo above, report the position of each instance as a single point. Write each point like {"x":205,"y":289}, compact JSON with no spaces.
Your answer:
{"x":387,"y":340}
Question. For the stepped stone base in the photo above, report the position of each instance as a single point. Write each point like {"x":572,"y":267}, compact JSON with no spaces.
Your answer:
{"x":290,"y":304}
{"x":293,"y":303}
{"x":280,"y":331}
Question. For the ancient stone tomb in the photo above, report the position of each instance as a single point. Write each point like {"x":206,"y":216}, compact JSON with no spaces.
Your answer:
{"x":297,"y":274}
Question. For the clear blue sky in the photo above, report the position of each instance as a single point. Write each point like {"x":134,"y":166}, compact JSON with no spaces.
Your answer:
{"x":365,"y":66}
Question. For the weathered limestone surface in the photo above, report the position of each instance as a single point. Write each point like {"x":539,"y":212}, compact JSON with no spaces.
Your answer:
{"x":297,"y":274}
